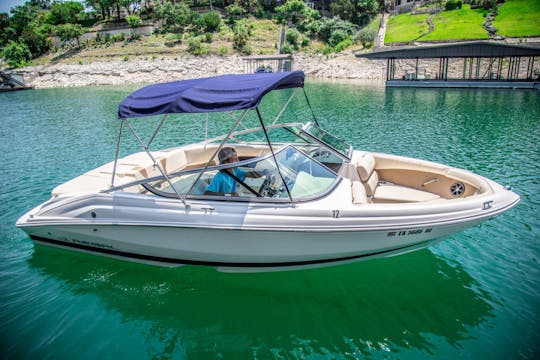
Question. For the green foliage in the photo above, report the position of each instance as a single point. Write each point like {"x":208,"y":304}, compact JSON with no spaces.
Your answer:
{"x":175,"y":16}
{"x":327,"y":27}
{"x":118,"y":37}
{"x":406,"y":27}
{"x":196,"y":47}
{"x":16,"y":54}
{"x":366,"y":37}
{"x":292,"y":36}
{"x":69,"y":32}
{"x":296,"y":12}
{"x":36,"y":38}
{"x":365,"y":11}
{"x":452,"y":5}
{"x":6,"y":31}
{"x":287,"y":49}
{"x":336,"y":37}
{"x":212,"y":21}
{"x":241,"y":37}
{"x":133,"y":21}
{"x":342,"y":45}
{"x":343,"y":8}
{"x":223,"y":50}
{"x":65,"y":12}
{"x":517,"y":18}
{"x":458,"y":24}
{"x":234,"y":11}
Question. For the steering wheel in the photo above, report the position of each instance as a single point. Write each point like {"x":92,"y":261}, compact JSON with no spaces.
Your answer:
{"x":320,"y":154}
{"x":267,"y":188}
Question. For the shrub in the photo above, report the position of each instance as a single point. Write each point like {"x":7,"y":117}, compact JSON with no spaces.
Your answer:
{"x":292,"y":36}
{"x":133,"y":21}
{"x":336,"y":37}
{"x":240,"y":38}
{"x":343,"y":45}
{"x":452,"y":5}
{"x":69,"y":32}
{"x":366,"y":37}
{"x":16,"y":54}
{"x":287,"y":49}
{"x":118,"y":37}
{"x":327,"y":27}
{"x":212,"y":21}
{"x":223,"y":50}
{"x":195,"y":47}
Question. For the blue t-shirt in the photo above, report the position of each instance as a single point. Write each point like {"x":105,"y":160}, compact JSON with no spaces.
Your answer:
{"x":223,"y":183}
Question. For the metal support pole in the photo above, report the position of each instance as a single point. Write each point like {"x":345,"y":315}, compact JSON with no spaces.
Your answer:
{"x":499,"y":68}
{"x":117,"y":152}
{"x":161,"y":170}
{"x":509,"y":72}
{"x":274,"y":155}
{"x":217,"y":150}
{"x":309,"y":105}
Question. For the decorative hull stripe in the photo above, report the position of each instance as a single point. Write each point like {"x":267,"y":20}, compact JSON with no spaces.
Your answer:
{"x":217,"y":263}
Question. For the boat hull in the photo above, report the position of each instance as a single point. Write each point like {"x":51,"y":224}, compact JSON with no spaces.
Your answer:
{"x":240,"y":250}
{"x":253,"y":236}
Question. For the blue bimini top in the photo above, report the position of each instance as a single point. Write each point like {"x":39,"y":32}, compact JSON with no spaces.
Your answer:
{"x":212,"y":94}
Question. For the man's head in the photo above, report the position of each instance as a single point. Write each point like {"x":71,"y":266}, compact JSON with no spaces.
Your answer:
{"x":227,"y":155}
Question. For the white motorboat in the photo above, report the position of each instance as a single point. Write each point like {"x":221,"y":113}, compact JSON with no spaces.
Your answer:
{"x":302,"y":197}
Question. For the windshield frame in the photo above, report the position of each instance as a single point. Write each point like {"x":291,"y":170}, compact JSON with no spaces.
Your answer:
{"x":227,"y":197}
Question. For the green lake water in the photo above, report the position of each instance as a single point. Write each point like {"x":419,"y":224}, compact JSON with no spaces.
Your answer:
{"x":474,"y":296}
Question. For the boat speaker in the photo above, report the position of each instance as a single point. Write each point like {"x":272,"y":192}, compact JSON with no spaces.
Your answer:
{"x":457,"y":189}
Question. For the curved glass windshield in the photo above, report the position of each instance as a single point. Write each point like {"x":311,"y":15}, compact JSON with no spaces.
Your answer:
{"x":300,"y":174}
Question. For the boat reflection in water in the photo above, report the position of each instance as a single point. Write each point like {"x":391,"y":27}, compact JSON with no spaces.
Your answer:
{"x":399,"y":305}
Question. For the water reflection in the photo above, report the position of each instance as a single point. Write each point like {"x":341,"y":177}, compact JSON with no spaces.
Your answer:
{"x":395,"y":305}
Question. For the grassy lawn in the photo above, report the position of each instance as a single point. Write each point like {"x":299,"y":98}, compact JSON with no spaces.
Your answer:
{"x":405,"y":27}
{"x":518,"y":18}
{"x":458,"y":24}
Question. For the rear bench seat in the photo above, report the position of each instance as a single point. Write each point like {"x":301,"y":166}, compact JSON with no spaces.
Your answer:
{"x":130,"y":168}
{"x":369,"y":189}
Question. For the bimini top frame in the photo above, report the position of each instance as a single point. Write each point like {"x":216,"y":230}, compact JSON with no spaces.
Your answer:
{"x":214,"y":94}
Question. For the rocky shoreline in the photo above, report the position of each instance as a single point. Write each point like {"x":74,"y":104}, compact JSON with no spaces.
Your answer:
{"x":116,"y":71}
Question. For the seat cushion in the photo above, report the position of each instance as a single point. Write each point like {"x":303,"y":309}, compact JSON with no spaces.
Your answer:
{"x":365,"y":164}
{"x":397,"y":193}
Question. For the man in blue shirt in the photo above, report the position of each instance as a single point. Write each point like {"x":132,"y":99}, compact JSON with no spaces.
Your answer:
{"x":223,"y":183}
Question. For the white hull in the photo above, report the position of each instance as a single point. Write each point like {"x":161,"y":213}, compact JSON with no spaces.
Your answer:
{"x":248,"y":236}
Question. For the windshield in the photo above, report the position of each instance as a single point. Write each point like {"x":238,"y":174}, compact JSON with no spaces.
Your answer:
{"x":314,"y":132}
{"x":300,"y":174}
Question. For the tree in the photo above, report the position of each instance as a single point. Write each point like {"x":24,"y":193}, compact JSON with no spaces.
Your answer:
{"x":330,"y":26}
{"x":365,"y":11}
{"x":22,"y":16}
{"x":345,"y":9}
{"x":295,"y":12}
{"x":101,"y":6}
{"x":211,"y":21}
{"x":6,"y":31}
{"x":65,"y":12}
{"x":69,"y":32}
{"x":16,"y":54}
{"x":175,"y":16}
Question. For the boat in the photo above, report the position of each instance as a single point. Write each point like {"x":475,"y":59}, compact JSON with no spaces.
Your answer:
{"x":312,"y":200}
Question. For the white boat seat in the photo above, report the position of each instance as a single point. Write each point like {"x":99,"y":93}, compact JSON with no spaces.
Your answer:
{"x":385,"y":193}
{"x":382,"y":192}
